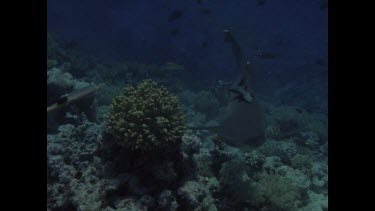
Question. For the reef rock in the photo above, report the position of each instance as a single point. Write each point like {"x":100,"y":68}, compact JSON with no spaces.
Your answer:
{"x":167,"y":201}
{"x":192,"y":193}
{"x":190,"y":144}
{"x":285,"y":150}
{"x":271,"y":164}
{"x":254,"y":160}
{"x":317,"y":202}
{"x":296,"y":176}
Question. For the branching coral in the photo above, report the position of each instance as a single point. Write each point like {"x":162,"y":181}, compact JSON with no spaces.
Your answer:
{"x":146,"y":118}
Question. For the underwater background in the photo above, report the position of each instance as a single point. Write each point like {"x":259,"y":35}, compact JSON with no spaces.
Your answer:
{"x":139,"y":93}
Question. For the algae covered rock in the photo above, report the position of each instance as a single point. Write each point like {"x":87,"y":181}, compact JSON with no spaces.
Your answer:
{"x":146,"y":118}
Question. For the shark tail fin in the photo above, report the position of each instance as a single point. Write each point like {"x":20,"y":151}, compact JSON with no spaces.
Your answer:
{"x":237,"y":51}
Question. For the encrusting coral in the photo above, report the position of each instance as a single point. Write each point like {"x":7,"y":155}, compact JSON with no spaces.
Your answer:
{"x":146,"y":118}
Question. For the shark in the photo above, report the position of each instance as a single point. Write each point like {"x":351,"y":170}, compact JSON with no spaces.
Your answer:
{"x":244,"y":120}
{"x":73,"y":97}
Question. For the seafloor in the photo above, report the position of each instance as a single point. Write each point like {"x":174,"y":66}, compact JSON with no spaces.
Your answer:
{"x":288,"y":172}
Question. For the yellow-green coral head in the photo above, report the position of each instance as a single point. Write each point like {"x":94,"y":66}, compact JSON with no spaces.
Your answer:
{"x":146,"y":118}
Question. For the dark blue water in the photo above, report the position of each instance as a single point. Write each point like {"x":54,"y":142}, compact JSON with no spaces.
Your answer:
{"x":139,"y":30}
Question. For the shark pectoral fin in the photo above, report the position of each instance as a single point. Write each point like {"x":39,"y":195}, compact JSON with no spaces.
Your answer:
{"x":243,"y":93}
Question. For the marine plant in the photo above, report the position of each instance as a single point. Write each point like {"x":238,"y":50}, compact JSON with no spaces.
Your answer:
{"x":275,"y":192}
{"x":146,"y":118}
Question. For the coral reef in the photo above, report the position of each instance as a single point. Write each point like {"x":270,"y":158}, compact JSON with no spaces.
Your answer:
{"x":192,"y":193}
{"x":203,"y":163}
{"x":167,"y":201}
{"x":220,"y":177}
{"x":254,"y":161}
{"x":206,"y":103}
{"x":288,"y":121}
{"x":317,"y":202}
{"x":191,"y":144}
{"x":186,"y":97}
{"x":303,"y":163}
{"x":271,"y":164}
{"x":308,"y":139}
{"x":128,"y":205}
{"x":164,"y":173}
{"x":235,"y":184}
{"x":73,"y":169}
{"x":283,"y":149}
{"x":296,"y":176}
{"x":275,"y":192}
{"x":195,"y":119}
{"x":58,"y":79}
{"x":198,"y":195}
{"x":137,"y":155}
{"x":60,"y":83}
{"x":146,"y":118}
{"x":202,"y":103}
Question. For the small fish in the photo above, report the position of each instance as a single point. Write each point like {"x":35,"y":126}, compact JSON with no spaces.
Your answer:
{"x":176,"y":14}
{"x":266,"y":55}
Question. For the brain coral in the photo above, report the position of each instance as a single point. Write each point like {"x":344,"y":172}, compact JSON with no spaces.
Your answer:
{"x":146,"y":118}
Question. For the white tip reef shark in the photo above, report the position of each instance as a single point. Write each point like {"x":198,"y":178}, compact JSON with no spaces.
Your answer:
{"x":244,"y":121}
